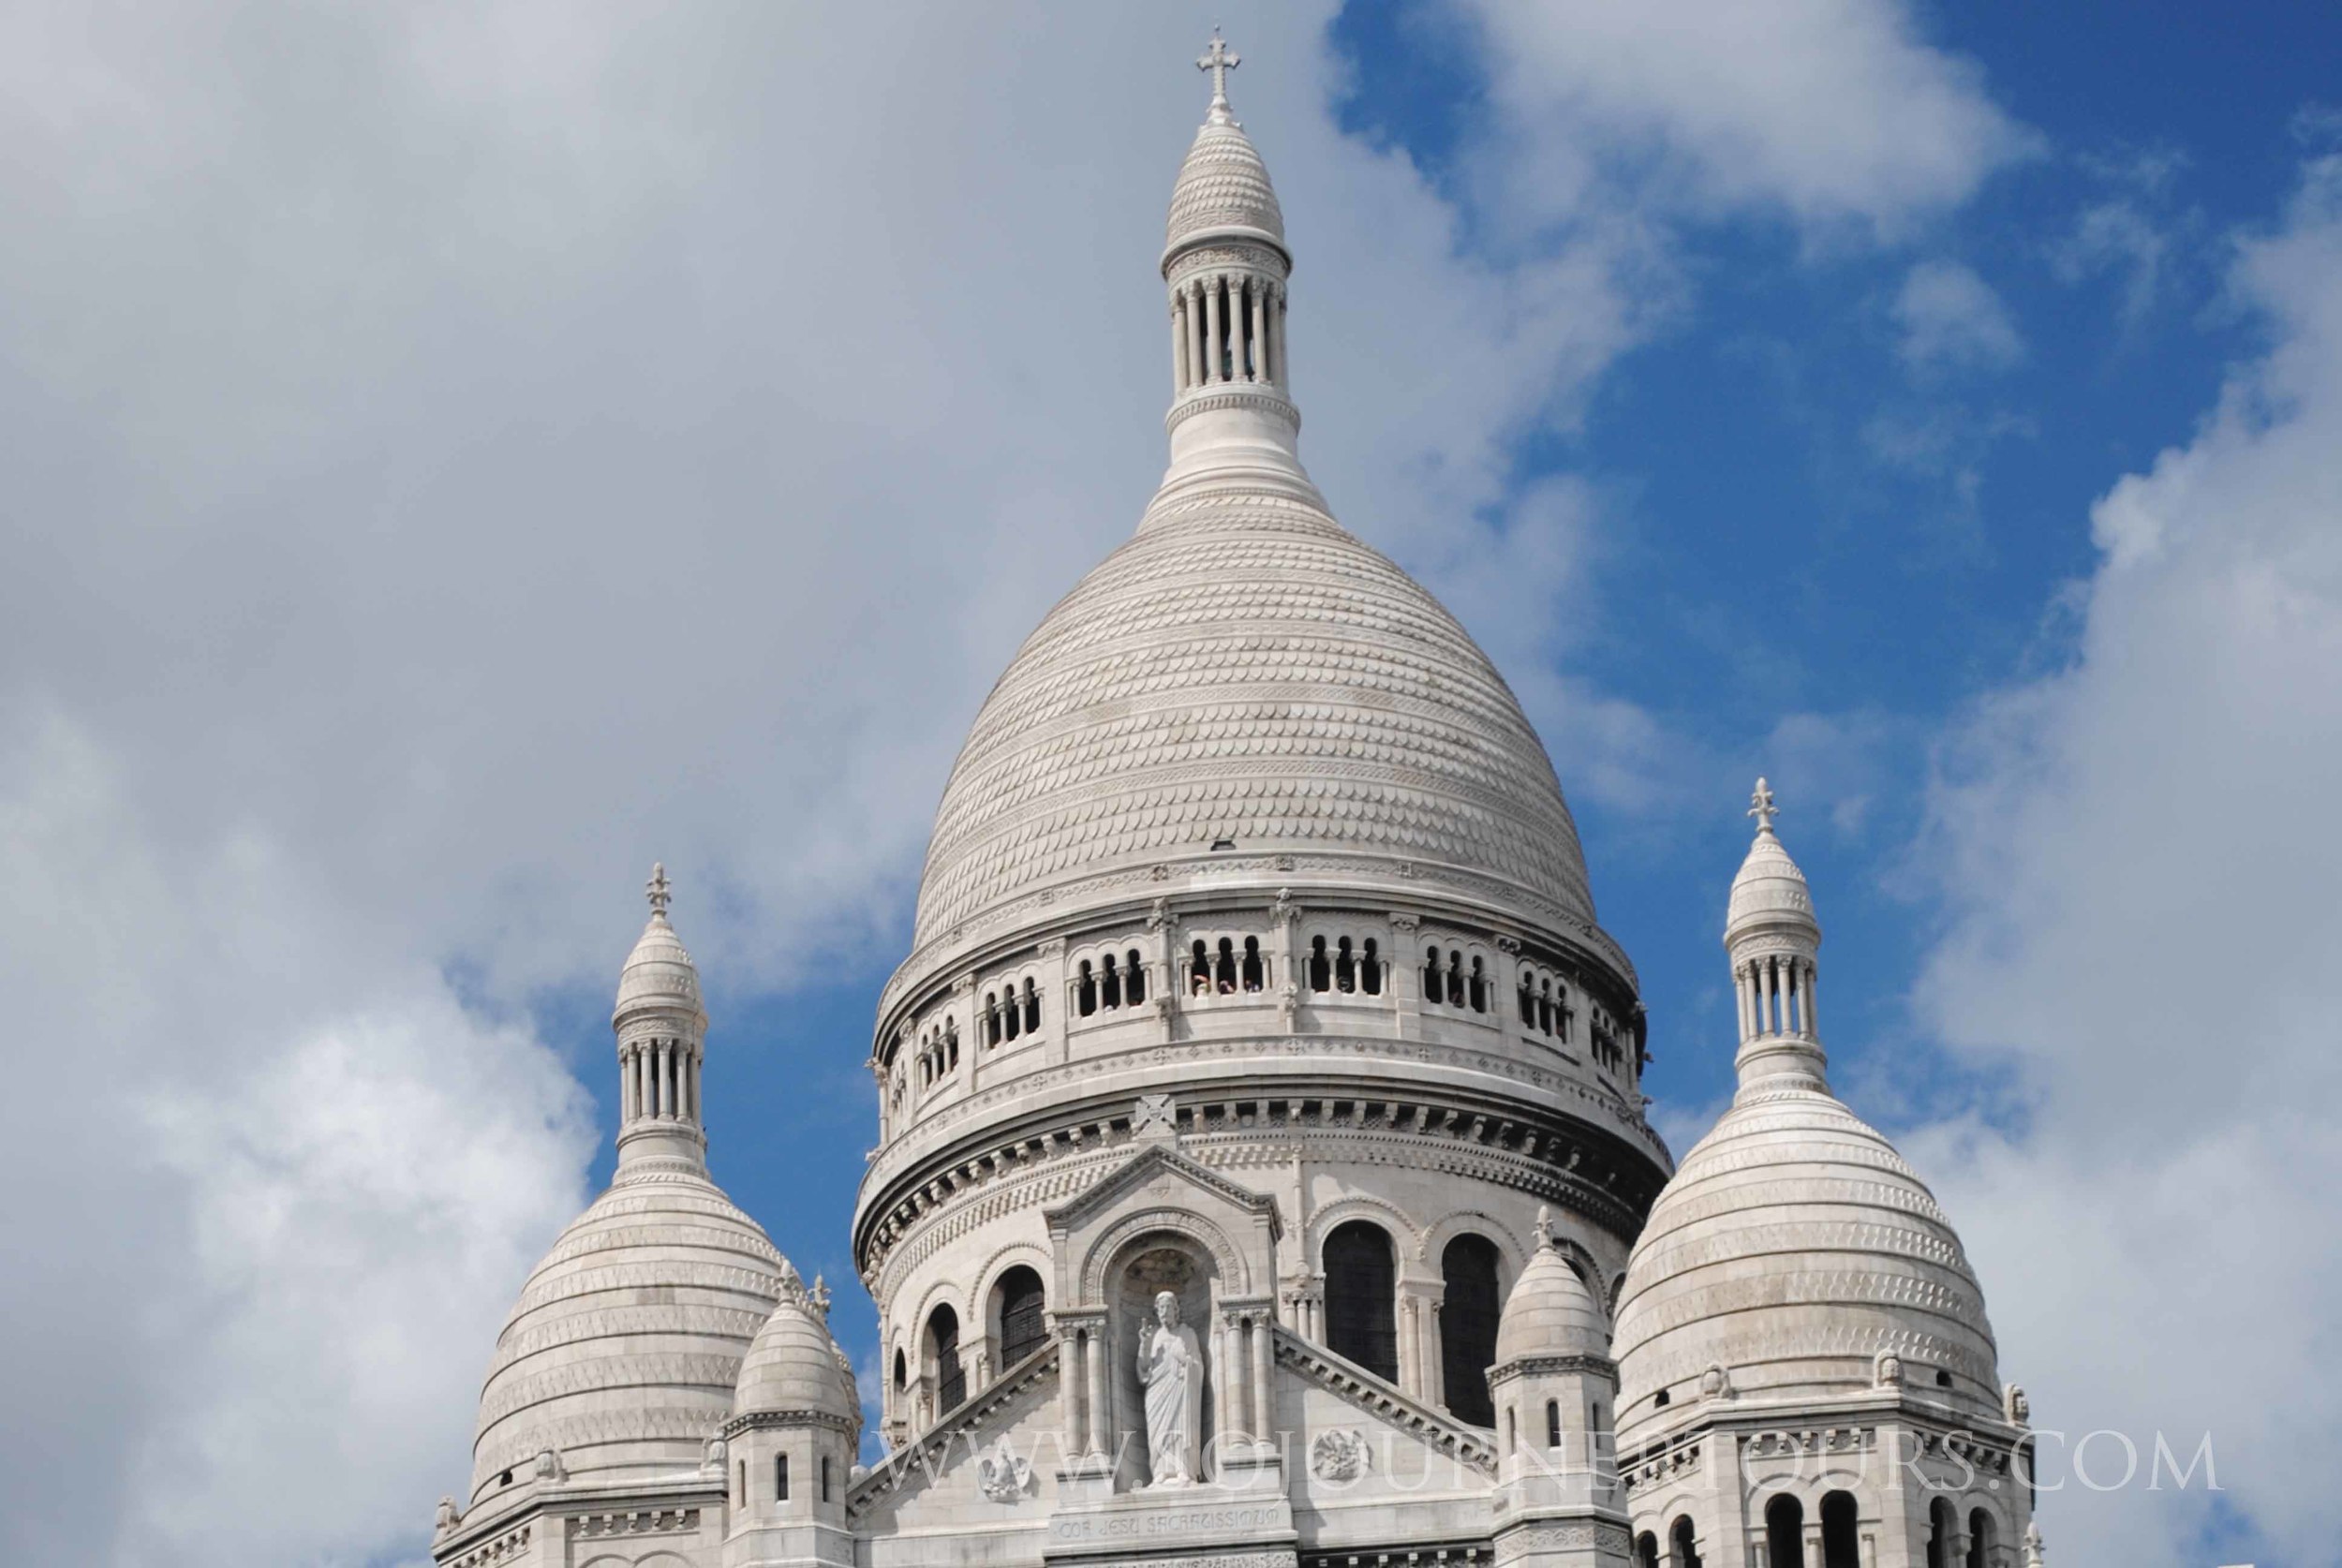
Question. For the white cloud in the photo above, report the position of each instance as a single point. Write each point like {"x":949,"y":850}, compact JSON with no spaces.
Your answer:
{"x":1835,"y":113}
{"x":2140,"y":858}
{"x":457,"y":455}
{"x":1951,"y":319}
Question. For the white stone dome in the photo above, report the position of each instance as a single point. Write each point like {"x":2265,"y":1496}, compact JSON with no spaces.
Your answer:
{"x":658,"y":973}
{"x":1792,"y":1248}
{"x":1223,"y":190}
{"x":625,"y":1347}
{"x":1245,"y":674}
{"x":793,"y":1365}
{"x":1770,"y":890}
{"x":1550,"y":1312}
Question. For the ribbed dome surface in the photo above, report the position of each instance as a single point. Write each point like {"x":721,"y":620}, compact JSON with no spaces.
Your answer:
{"x":1769,"y":889}
{"x":1244,"y":670}
{"x":1791,"y":1247}
{"x":658,"y":972}
{"x":625,"y":1347}
{"x":793,"y":1365}
{"x":1224,"y":185}
{"x":1550,"y":1312}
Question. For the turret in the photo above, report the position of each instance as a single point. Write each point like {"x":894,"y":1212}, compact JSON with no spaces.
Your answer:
{"x":662,"y":1029}
{"x":1775,"y":942}
{"x":796,"y":1423}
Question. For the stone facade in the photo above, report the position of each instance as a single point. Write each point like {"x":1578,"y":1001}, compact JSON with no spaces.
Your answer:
{"x":1256,"y":965}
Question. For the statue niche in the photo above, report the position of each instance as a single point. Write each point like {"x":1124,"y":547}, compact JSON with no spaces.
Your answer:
{"x":1162,"y":1332}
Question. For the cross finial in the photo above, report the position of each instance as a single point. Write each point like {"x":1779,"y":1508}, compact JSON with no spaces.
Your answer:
{"x":657,"y":888}
{"x":1219,"y":60}
{"x":1761,"y":808}
{"x":1545,"y":1227}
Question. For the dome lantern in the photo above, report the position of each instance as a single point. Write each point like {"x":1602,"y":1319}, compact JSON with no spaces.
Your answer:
{"x":1774,"y":941}
{"x":661,"y":1027}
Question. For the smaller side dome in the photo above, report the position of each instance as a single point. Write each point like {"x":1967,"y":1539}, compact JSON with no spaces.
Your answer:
{"x":658,"y":973}
{"x":792,"y":1365}
{"x":1550,"y":1312}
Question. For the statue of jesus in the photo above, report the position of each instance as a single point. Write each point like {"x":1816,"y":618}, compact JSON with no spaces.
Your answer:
{"x":1171,"y":1370}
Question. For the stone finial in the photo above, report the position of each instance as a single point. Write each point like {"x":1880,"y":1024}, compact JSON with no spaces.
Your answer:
{"x":1761,"y":808}
{"x":658,"y":889}
{"x":2015,"y":1406}
{"x":2033,"y":1546}
{"x":447,"y":1515}
{"x":1545,"y":1228}
{"x":1219,"y":60}
{"x":819,"y":1297}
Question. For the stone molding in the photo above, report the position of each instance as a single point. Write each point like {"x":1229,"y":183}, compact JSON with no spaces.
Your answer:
{"x":757,"y":1420}
{"x":917,"y":1461}
{"x":1387,"y":1403}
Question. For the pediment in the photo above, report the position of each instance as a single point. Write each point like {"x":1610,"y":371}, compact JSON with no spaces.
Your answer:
{"x":1145,"y":1166}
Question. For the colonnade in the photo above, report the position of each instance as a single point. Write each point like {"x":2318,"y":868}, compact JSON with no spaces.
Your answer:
{"x":658,"y":1079}
{"x":1227,"y":326}
{"x":1778,"y":995}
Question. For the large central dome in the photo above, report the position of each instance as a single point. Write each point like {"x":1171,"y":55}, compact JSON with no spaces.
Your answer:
{"x":1244,"y":673}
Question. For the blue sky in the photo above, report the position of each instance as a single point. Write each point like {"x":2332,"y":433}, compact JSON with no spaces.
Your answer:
{"x":461,"y":455}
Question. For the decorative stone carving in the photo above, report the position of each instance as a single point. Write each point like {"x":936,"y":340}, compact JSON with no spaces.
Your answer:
{"x":1887,"y":1369}
{"x":2016,"y":1407}
{"x":549,"y":1466}
{"x":1155,"y":1117}
{"x":2033,"y":1546}
{"x":712,"y":1459}
{"x":447,"y":1516}
{"x":1340,"y":1454}
{"x":1003,"y":1475}
{"x":1716,"y":1384}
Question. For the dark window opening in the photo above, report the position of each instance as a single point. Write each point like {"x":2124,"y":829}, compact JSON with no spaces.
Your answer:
{"x":1467,"y":1326}
{"x":1370,"y":970}
{"x":1321,"y":968}
{"x":1647,"y":1550}
{"x":1840,"y":1546}
{"x":1133,"y":980}
{"x":780,"y":1477}
{"x":1785,"y":1532}
{"x":1682,"y":1545}
{"x":1662,"y":1399}
{"x":1085,"y":992}
{"x":1032,"y":1008}
{"x":824,"y":1478}
{"x":1022,"y":1330}
{"x":1361,"y":1278}
{"x":1981,"y":1532}
{"x":1110,"y":984}
{"x":951,"y":1383}
{"x":1255,"y":972}
{"x":1552,"y":1423}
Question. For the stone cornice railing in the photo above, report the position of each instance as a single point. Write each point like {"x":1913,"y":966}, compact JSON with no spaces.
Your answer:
{"x":1347,"y":1381}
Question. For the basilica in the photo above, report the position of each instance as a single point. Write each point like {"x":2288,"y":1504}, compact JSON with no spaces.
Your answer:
{"x":1262,"y":1177}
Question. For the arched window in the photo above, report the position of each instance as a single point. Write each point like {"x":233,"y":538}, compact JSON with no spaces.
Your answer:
{"x":1467,"y":1326}
{"x":1255,"y":972}
{"x":1682,"y":1544}
{"x":1785,"y":1532}
{"x":1552,"y":1423}
{"x":1981,"y":1532}
{"x":781,"y":1478}
{"x":1345,"y":968}
{"x":1371,"y":969}
{"x":824,"y":1478}
{"x":1110,"y":987}
{"x":1435,"y":984}
{"x":1840,"y":1545}
{"x":991,"y":1017}
{"x":1361,"y":1279}
{"x":1478,"y":988}
{"x":1455,"y":978}
{"x":1224,"y":976}
{"x":1011,"y":1012}
{"x":1528,"y":1001}
{"x":1943,"y":1524}
{"x":1032,"y":1007}
{"x":1019,"y":1300}
{"x":1544,"y":1008}
{"x":1199,"y":969}
{"x":1321,"y":970}
{"x":1085,"y":992}
{"x":951,"y":1383}
{"x":1646,"y":1550}
{"x":902,"y":1370}
{"x":740,"y":1493}
{"x":1134,"y":979}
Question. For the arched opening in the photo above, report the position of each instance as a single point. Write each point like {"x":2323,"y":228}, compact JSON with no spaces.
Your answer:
{"x":1435,"y":984}
{"x":1255,"y":972}
{"x":1134,"y":979}
{"x":1455,"y":978}
{"x":1682,"y":1544}
{"x":1646,"y":1550}
{"x":1371,"y":969}
{"x":1943,"y":1524}
{"x":1478,"y":988}
{"x":991,"y":1017}
{"x":1032,"y":1007}
{"x":1840,"y":1546}
{"x":951,"y":1383}
{"x":1785,"y":1532}
{"x":1110,"y":984}
{"x":781,"y":1478}
{"x":1345,"y":968}
{"x":1224,"y":977}
{"x":902,"y":1372}
{"x":1017,"y":1303}
{"x":1148,"y":1267}
{"x":1361,"y":1279}
{"x":1552,"y":1423}
{"x":1982,"y":1533}
{"x":1012,"y":1014}
{"x":1321,"y":967}
{"x":1528,"y":1001}
{"x":1467,"y":1326}
{"x":1085,"y":992}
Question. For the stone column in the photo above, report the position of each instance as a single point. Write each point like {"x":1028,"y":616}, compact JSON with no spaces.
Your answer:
{"x":1178,"y":344}
{"x":1221,"y":1418}
{"x":1434,"y":1358}
{"x":1410,"y":1354}
{"x":1211,"y":330}
{"x":1277,"y":339}
{"x":1406,"y":974}
{"x":1812,"y":1003}
{"x":1192,"y":297}
{"x":1101,"y":1413}
{"x":1264,"y":1362}
{"x":1771,"y":1000}
{"x":1261,"y":329}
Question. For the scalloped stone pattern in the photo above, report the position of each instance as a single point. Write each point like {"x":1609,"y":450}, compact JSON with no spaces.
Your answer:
{"x":625,"y":1345}
{"x":1245,"y":669}
{"x":1223,"y":185}
{"x":1792,"y":1246}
